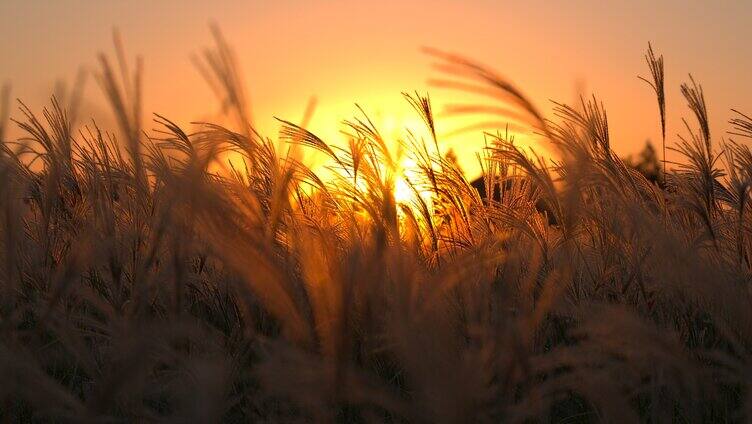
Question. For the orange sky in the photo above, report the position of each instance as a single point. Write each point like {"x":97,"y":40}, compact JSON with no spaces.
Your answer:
{"x":344,"y":52}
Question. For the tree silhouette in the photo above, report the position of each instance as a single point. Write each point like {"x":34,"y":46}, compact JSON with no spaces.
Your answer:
{"x":647,"y":163}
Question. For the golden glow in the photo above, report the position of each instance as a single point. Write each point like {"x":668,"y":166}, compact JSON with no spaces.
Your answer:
{"x":368,"y":52}
{"x":402,"y":192}
{"x":407,"y":191}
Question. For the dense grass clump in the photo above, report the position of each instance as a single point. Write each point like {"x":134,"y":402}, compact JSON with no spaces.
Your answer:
{"x":145,"y":277}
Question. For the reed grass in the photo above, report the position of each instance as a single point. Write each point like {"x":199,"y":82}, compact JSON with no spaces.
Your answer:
{"x":144,"y":278}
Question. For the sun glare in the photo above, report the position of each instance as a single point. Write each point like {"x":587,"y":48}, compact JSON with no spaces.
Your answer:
{"x":407,"y":189}
{"x":402,"y":192}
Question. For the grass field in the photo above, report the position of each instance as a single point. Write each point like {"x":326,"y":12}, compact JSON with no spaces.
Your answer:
{"x":197,"y":274}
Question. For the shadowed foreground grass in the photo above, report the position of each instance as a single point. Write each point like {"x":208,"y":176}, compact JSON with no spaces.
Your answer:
{"x":146,"y":278}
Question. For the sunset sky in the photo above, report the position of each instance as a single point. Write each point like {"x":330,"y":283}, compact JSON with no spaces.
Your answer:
{"x":368,"y":52}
